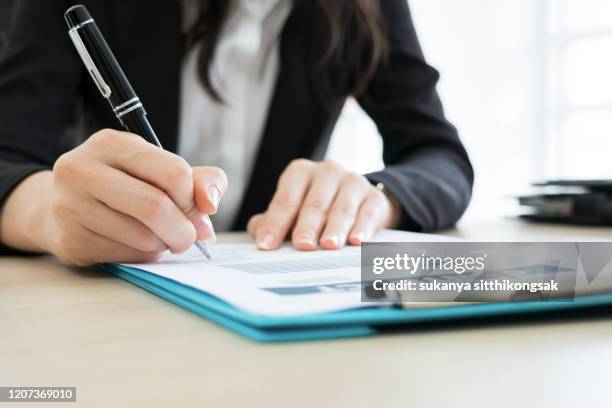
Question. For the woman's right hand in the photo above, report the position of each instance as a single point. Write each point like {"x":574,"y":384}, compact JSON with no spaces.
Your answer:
{"x":118,"y":198}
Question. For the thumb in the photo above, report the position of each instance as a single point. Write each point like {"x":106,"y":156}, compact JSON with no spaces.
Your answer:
{"x":209,"y":186}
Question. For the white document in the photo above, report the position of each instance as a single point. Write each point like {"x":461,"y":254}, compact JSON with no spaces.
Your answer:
{"x":285,"y":282}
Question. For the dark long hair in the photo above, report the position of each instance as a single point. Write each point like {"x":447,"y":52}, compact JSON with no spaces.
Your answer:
{"x":349,"y":32}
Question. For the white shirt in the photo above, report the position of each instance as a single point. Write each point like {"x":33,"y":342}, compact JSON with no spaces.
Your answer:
{"x":244,"y":71}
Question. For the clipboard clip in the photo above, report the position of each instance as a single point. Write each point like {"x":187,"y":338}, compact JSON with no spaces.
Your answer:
{"x":88,"y":62}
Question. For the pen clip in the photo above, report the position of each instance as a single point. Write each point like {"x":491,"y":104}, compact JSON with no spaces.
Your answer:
{"x":89,"y":64}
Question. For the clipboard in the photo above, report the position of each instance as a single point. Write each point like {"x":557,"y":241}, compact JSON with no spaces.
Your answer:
{"x":342,"y":324}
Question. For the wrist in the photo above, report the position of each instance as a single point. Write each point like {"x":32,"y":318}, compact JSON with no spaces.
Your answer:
{"x":395,"y":211}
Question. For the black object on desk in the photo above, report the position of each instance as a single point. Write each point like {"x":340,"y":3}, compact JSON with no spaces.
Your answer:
{"x":585,"y":202}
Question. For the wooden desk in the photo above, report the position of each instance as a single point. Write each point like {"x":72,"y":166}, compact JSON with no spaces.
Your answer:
{"x":121,"y":346}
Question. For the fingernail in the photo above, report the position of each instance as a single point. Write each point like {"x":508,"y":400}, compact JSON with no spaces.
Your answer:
{"x":332,"y":240}
{"x":266,"y":241}
{"x":214,"y":195}
{"x":305,"y":239}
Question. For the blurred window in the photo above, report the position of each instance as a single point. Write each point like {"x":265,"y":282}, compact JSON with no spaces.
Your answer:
{"x":579,"y":61}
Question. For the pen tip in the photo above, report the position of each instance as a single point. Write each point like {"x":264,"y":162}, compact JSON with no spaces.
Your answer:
{"x":203,"y":249}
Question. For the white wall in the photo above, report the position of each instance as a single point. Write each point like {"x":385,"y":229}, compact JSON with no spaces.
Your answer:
{"x":492,"y":87}
{"x":491,"y":58}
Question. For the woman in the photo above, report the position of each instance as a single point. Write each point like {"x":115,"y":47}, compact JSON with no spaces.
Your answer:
{"x":251,"y":86}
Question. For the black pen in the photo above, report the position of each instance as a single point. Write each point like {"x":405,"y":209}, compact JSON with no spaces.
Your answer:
{"x":110,"y":79}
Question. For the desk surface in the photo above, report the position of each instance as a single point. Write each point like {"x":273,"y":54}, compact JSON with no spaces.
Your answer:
{"x":121,"y":346}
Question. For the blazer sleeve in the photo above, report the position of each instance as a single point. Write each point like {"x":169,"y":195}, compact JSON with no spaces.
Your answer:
{"x":426,"y":166}
{"x":40,"y":78}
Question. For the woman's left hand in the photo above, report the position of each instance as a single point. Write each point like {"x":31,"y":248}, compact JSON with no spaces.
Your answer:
{"x":320,"y":203}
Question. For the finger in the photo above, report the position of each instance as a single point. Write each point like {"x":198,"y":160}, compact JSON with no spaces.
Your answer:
{"x":165,"y":170}
{"x":126,"y":230}
{"x":204,"y":227}
{"x":176,"y":178}
{"x":146,"y":203}
{"x":210,"y":184}
{"x":104,"y":250}
{"x":370,"y":215}
{"x":84,"y":247}
{"x":285,"y":205}
{"x":253,"y":224}
{"x":317,"y":203}
{"x":344,"y":211}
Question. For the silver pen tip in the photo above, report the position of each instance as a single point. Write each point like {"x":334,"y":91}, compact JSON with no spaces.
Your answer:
{"x":203,"y":247}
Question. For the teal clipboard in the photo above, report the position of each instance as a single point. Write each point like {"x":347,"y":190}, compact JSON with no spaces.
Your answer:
{"x":348,"y":323}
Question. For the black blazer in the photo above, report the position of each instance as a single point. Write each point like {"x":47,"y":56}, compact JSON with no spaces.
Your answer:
{"x":48,"y":103}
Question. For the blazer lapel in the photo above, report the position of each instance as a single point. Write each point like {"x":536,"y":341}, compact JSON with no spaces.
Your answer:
{"x":148,"y":46}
